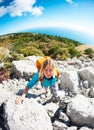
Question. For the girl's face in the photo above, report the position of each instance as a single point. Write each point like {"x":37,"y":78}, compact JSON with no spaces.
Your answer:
{"x":48,"y":71}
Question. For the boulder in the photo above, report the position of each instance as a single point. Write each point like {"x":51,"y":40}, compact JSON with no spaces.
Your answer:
{"x":69,"y":81}
{"x":23,"y":69}
{"x":81,"y":110}
{"x":30,"y":115}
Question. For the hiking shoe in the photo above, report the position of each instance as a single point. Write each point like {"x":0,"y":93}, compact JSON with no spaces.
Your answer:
{"x":56,"y":99}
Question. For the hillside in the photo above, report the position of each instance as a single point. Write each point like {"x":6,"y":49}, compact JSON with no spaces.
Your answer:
{"x":28,"y":44}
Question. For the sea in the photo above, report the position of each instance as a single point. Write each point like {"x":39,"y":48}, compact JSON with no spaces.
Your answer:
{"x":66,"y":33}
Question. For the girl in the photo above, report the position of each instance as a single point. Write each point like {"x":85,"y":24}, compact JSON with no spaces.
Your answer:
{"x":48,"y":77}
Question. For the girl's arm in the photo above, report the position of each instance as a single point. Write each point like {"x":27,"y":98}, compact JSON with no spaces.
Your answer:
{"x":22,"y":97}
{"x":29,"y":85}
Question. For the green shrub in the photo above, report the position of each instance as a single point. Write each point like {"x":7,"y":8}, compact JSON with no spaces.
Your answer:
{"x":7,"y":64}
{"x":89,"y":52}
{"x":31,"y":50}
{"x":73,"y":52}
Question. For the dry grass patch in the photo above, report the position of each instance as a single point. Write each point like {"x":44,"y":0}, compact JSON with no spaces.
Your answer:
{"x":4,"y":52}
{"x":83,"y":47}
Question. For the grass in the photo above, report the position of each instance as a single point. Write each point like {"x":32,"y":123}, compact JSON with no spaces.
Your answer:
{"x":83,"y":47}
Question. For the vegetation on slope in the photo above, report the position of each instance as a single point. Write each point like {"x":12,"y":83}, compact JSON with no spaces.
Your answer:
{"x":40,"y":44}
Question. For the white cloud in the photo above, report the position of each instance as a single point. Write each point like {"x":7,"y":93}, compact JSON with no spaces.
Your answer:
{"x":3,"y":11}
{"x":1,"y":1}
{"x":37,"y":11}
{"x":71,"y":2}
{"x":21,"y":7}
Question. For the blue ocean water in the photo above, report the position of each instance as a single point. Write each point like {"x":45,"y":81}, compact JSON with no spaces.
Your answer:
{"x":71,"y":34}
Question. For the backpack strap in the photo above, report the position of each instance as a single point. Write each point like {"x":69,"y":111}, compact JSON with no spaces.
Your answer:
{"x":57,"y":72}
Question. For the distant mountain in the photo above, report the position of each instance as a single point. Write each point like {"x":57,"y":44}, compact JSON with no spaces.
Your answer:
{"x":67,"y":33}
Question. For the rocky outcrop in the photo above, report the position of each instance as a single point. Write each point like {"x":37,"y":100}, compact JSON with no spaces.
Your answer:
{"x":87,"y":73}
{"x":81,"y":110}
{"x":23,"y":69}
{"x":73,"y":111}
{"x":30,"y":115}
{"x":70,"y":81}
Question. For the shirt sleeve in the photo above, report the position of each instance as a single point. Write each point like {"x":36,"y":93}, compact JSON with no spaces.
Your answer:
{"x":33,"y":81}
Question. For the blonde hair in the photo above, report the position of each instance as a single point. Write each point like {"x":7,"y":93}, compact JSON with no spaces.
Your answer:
{"x":49,"y":62}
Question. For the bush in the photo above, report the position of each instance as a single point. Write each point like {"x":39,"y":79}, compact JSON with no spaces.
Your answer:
{"x":89,"y":52}
{"x":31,"y":50}
{"x":73,"y":52}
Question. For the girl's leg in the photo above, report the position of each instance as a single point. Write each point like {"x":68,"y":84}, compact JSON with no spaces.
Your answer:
{"x":46,"y":89}
{"x":48,"y":93}
{"x":54,"y":91}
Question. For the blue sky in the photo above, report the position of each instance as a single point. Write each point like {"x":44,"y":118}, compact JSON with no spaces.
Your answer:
{"x":76,"y":15}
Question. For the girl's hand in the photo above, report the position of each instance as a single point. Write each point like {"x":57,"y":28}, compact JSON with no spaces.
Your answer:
{"x":20,"y":99}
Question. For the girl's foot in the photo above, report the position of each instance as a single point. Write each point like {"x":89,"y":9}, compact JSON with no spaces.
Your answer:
{"x":55,"y":99}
